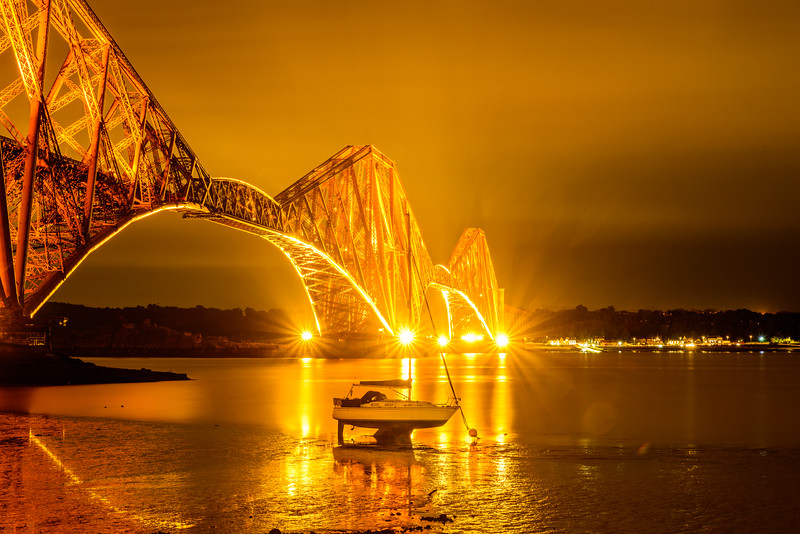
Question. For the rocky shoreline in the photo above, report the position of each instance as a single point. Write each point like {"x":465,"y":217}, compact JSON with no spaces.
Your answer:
{"x":36,"y":366}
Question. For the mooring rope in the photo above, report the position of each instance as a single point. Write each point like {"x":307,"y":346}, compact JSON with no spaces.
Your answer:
{"x":471,"y":431}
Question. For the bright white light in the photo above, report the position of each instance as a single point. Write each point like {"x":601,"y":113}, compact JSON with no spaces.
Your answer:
{"x":470,"y":338}
{"x":443,"y":341}
{"x":501,"y":340}
{"x":406,"y":336}
{"x":306,"y":335}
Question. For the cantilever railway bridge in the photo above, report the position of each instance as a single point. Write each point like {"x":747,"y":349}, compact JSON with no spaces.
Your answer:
{"x":86,"y":150}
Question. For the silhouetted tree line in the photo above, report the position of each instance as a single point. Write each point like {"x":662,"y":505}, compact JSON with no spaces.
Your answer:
{"x":251,"y":325}
{"x":608,"y":323}
{"x":235,"y":324}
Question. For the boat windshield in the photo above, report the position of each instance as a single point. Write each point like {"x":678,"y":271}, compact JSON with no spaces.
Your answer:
{"x":396,"y":383}
{"x":372,"y":396}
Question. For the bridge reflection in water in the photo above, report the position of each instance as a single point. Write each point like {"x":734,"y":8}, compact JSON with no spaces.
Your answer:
{"x":87,"y":150}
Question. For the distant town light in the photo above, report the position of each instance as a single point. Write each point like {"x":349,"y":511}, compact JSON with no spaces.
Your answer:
{"x":443,"y":341}
{"x":306,"y":335}
{"x":471,"y":338}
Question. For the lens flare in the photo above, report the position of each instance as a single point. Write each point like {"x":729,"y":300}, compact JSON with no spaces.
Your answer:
{"x":501,"y":340}
{"x":406,"y":336}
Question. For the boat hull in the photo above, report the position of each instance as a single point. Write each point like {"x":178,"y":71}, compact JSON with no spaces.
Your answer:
{"x":394,"y":415}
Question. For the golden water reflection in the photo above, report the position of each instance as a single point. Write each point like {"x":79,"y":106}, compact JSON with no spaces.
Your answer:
{"x":391,"y":481}
{"x":550,"y":398}
{"x":249,"y":445}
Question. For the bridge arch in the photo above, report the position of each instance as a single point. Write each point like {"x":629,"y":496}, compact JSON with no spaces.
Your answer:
{"x":51,"y":284}
{"x":91,"y":151}
{"x":349,"y":231}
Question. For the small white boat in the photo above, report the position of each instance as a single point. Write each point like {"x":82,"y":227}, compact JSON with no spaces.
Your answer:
{"x":394,"y":418}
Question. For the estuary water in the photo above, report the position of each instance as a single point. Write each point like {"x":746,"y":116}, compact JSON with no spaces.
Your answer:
{"x":569,"y":442}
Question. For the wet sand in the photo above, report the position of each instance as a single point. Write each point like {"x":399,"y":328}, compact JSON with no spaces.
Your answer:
{"x":41,"y":495}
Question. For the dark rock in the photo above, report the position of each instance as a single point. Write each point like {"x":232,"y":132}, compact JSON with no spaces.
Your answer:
{"x":441,"y":519}
{"x":29,"y":366}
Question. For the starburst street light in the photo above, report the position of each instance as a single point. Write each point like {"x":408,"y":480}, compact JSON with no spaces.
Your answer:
{"x":501,"y":340}
{"x":306,"y":335}
{"x":406,"y":336}
{"x":443,"y":341}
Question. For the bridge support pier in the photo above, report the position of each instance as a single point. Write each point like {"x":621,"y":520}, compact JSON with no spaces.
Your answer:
{"x":7,"y":281}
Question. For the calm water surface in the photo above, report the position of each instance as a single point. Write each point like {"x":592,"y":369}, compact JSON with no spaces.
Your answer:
{"x":612,"y":442}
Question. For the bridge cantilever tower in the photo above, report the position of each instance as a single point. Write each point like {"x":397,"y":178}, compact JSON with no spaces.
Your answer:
{"x":87,"y":150}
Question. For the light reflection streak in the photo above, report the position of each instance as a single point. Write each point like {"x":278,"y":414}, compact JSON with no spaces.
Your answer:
{"x":762,"y":406}
{"x":301,"y":470}
{"x":501,"y":404}
{"x":409,"y":369}
{"x":306,"y":396}
{"x":588,"y":472}
{"x":382,"y":481}
{"x":500,"y":464}
{"x":96,"y":496}
{"x":690,"y":414}
{"x":474,"y":467}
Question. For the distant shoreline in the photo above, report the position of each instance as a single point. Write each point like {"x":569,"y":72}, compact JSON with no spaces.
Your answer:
{"x":743,"y":347}
{"x":199,"y":332}
{"x":284,"y":353}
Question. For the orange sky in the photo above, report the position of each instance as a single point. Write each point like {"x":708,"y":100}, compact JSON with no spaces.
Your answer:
{"x":626,"y":153}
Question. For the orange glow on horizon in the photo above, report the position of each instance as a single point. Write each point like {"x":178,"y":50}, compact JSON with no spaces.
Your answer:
{"x":472,"y":337}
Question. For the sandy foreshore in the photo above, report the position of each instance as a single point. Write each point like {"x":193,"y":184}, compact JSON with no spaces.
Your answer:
{"x":39,"y":493}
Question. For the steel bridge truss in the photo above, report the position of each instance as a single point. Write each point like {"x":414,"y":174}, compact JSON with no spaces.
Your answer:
{"x":88,"y":150}
{"x":98,"y":152}
{"x":474,"y":282}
